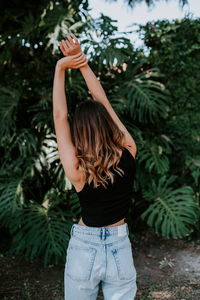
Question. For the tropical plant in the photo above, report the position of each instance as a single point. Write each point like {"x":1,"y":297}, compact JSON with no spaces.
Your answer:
{"x":38,"y":204}
{"x":173,"y":211}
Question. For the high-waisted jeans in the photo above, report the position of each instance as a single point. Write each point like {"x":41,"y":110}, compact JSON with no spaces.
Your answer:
{"x":99,"y":254}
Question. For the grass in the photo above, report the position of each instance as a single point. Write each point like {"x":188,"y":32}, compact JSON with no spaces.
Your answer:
{"x":30,"y":291}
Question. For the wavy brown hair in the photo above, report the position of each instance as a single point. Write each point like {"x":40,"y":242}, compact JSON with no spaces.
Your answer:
{"x":97,"y":140}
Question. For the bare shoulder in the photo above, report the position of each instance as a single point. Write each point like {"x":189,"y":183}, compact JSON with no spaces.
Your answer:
{"x":131,"y":150}
{"x":130,"y":145}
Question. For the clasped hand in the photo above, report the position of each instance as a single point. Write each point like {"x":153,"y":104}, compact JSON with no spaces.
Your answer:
{"x":74,"y":57}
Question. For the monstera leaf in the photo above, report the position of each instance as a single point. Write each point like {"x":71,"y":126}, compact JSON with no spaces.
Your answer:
{"x":174,"y":212}
{"x":43,"y":232}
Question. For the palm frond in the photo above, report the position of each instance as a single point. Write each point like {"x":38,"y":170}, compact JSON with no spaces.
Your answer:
{"x":43,"y":232}
{"x":24,"y":142}
{"x":58,"y":22}
{"x":105,"y":49}
{"x":174,"y":212}
{"x":49,"y":150}
{"x":12,"y":196}
{"x":74,"y":205}
{"x":147,"y":98}
{"x":9,"y":99}
{"x":41,"y":112}
{"x":154,"y":154}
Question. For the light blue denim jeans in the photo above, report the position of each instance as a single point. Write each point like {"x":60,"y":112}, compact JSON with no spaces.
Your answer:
{"x":99,"y":254}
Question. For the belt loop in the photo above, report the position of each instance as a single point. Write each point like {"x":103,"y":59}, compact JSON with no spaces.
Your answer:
{"x":102,"y":233}
{"x":71,"y":231}
{"x":127,"y":228}
{"x":107,"y":232}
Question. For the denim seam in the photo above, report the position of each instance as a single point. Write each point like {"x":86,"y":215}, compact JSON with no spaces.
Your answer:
{"x":102,"y":241}
{"x":123,"y":247}
{"x":92,"y":263}
{"x":116,"y":242}
{"x":86,"y":242}
{"x":82,"y":248}
{"x":87,"y":233}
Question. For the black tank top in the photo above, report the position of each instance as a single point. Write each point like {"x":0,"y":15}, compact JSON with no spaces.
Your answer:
{"x":104,"y":206}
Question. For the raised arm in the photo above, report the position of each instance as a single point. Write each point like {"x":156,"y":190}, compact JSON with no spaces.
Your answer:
{"x":99,"y":94}
{"x":66,"y":149}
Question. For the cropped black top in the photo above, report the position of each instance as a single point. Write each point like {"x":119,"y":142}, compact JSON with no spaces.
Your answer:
{"x":104,"y":206}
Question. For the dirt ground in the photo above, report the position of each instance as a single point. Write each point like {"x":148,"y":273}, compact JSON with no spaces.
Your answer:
{"x":166,"y":269}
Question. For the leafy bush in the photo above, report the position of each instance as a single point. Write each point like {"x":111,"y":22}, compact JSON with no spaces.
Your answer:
{"x":173,"y":210}
{"x":38,"y":203}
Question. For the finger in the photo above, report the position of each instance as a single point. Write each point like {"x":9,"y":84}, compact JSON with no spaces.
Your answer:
{"x":84,"y":61}
{"x":82,"y":56}
{"x":77,"y":55}
{"x":77,"y":65}
{"x":62,"y":49}
{"x":70,"y":40}
{"x":65,"y":46}
{"x":79,"y":62}
{"x":68,"y":44}
{"x":74,"y":37}
{"x":84,"y":64}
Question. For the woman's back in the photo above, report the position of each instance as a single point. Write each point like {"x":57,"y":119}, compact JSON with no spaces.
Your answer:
{"x":103,"y":206}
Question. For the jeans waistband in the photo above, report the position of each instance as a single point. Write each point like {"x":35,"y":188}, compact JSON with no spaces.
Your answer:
{"x":102,"y":232}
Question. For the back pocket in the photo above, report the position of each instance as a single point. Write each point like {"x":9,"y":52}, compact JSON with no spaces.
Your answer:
{"x":79,"y":262}
{"x":123,"y":258}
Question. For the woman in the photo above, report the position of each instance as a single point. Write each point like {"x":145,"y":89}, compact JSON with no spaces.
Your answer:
{"x":98,"y":157}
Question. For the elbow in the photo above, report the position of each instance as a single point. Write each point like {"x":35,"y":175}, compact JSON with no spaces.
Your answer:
{"x":58,"y":115}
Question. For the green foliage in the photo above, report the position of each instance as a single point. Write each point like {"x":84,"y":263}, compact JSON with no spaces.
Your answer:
{"x":173,"y":211}
{"x":194,"y":167}
{"x":174,"y":49}
{"x":12,"y":197}
{"x":37,"y":202}
{"x":154,"y":154}
{"x":43,"y":231}
{"x":147,"y":98}
{"x":9,"y":102}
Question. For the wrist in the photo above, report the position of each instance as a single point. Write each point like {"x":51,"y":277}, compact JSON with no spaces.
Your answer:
{"x":60,"y":67}
{"x":84,"y":67}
